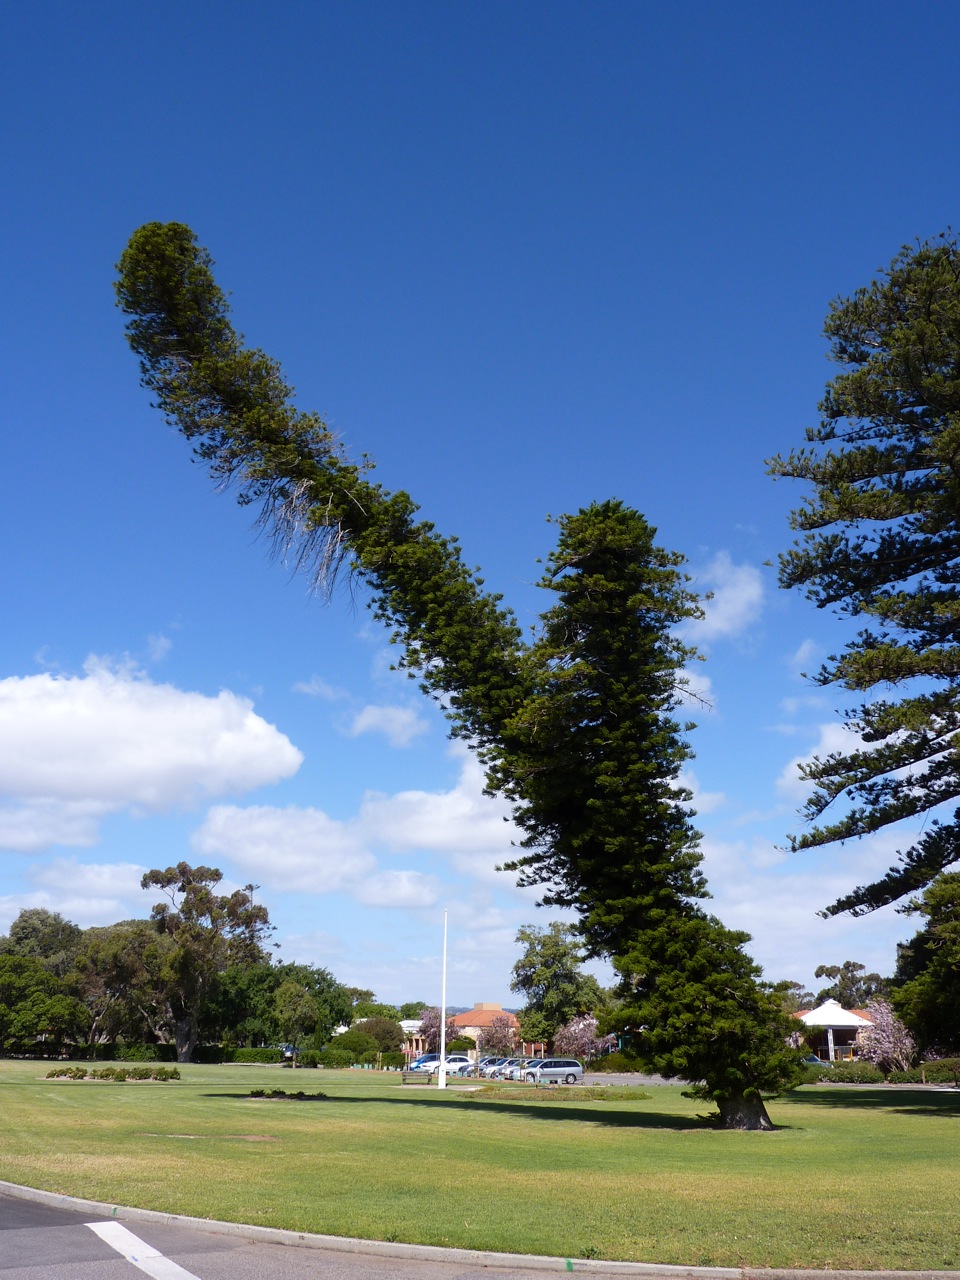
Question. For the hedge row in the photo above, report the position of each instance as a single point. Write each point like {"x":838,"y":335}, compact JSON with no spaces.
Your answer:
{"x":844,"y":1073}
{"x":117,"y":1074}
{"x":938,"y":1071}
{"x":618,"y":1061}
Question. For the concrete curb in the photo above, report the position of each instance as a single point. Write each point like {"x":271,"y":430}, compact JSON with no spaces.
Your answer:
{"x":437,"y":1253}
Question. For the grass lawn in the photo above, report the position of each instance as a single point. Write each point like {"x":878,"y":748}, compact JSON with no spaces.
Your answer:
{"x":853,"y":1178}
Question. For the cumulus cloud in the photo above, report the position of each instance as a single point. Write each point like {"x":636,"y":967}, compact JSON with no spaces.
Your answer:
{"x":301,"y":849}
{"x":158,"y":646}
{"x":315,"y":687}
{"x":40,"y":824}
{"x":802,"y":660}
{"x":405,"y":889}
{"x":304,"y":849}
{"x":87,"y":893}
{"x":399,"y":725}
{"x":74,"y":748}
{"x":470,"y":829}
{"x":697,"y":692}
{"x":834,"y":736}
{"x":776,"y":896}
{"x":737,"y":598}
{"x":703,"y":801}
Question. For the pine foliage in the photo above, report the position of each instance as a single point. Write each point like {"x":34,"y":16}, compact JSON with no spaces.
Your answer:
{"x":880,"y":542}
{"x":576,"y":728}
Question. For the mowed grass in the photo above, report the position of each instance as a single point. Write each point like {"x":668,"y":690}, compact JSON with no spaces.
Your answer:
{"x":852,"y":1178}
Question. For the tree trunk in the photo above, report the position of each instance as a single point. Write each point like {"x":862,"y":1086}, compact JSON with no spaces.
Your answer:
{"x":744,"y":1111}
{"x":185,"y":1034}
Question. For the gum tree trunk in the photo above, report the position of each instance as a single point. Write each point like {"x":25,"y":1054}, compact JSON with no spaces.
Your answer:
{"x":185,"y":1035}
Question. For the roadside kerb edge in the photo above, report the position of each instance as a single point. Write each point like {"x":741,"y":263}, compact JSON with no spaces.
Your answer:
{"x":440,"y":1253}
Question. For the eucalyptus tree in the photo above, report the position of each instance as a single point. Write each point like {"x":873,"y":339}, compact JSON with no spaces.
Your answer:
{"x":199,"y":934}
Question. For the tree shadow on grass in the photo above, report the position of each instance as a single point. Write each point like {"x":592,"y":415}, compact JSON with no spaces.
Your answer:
{"x":553,"y":1112}
{"x":907,"y":1102}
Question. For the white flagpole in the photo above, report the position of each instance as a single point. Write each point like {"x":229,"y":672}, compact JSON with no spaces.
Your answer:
{"x":442,"y":1073}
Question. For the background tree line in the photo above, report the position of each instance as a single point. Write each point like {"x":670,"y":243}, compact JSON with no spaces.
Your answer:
{"x":197,"y":971}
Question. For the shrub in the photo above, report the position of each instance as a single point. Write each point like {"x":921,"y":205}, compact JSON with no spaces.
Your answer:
{"x":214,"y":1053}
{"x":462,"y":1044}
{"x":936,"y":1071}
{"x":334,"y":1059}
{"x":135,"y":1053}
{"x":118,"y":1074}
{"x":309,"y":1058}
{"x":356,"y":1042}
{"x":299,"y":1096}
{"x":394,"y":1060}
{"x":844,"y":1073}
{"x":621,"y":1060}
{"x":257,"y":1055}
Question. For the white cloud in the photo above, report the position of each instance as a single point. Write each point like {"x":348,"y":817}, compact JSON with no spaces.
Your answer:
{"x":317,"y":688}
{"x":158,"y":647}
{"x":697,"y":692}
{"x":776,"y":896}
{"x":306,"y":850}
{"x":737,"y":598}
{"x":801,"y":661}
{"x":834,"y":736}
{"x":39,"y":824}
{"x":87,"y":893}
{"x":463,"y":824}
{"x":299,"y":849}
{"x":74,"y":748}
{"x":404,"y":889}
{"x":399,"y":725}
{"x":703,"y":801}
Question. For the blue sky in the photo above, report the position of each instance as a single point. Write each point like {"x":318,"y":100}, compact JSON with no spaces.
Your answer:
{"x":525,"y":256}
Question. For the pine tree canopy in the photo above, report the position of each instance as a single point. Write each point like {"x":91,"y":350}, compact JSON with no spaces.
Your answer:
{"x":576,"y":728}
{"x":880,"y":541}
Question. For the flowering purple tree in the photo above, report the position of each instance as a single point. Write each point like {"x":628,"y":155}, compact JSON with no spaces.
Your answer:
{"x":579,"y":1039}
{"x":887,"y":1041}
{"x":499,"y":1038}
{"x":430,"y":1029}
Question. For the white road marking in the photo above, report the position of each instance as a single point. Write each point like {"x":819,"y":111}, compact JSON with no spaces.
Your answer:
{"x":142,"y":1255}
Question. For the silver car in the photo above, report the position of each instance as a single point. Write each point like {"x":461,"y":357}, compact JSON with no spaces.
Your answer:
{"x":503,"y":1069}
{"x":554,"y":1071}
{"x":518,"y":1072}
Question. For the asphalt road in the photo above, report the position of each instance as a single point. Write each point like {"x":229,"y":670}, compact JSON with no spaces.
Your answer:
{"x":40,"y":1242}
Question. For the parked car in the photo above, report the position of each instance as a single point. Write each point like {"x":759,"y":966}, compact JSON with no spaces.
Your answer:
{"x":426,"y":1062}
{"x":502,"y":1071}
{"x":490,"y":1067}
{"x":453,"y":1063}
{"x":517,"y":1072}
{"x":553,"y":1071}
